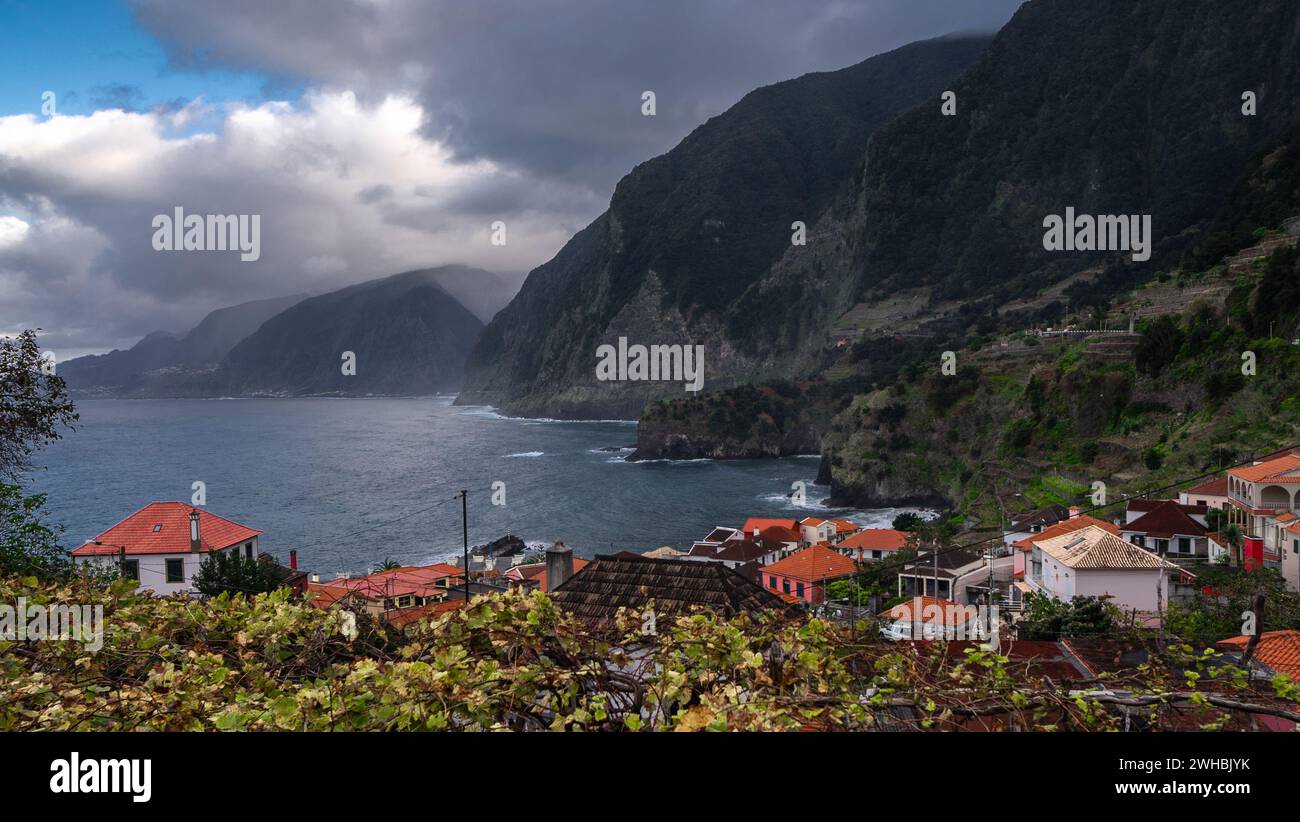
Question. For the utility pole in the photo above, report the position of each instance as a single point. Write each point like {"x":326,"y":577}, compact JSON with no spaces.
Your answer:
{"x":936,"y":569}
{"x":464,"y":524}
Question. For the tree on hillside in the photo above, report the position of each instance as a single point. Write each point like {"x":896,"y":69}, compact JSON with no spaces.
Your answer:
{"x":34,"y":403}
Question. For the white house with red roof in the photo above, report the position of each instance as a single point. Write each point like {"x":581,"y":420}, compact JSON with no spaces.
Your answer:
{"x":1172,"y":530}
{"x":873,"y":544}
{"x":163,"y":544}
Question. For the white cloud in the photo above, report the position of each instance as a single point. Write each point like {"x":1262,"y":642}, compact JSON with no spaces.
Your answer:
{"x":346,"y":192}
{"x":12,"y":230}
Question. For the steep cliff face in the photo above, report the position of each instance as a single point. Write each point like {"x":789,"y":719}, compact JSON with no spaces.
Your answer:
{"x":696,"y":247}
{"x":1108,"y":107}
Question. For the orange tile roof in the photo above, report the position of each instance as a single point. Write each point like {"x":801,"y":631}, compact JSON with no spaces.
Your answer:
{"x":845,"y":526}
{"x":813,"y":564}
{"x":1279,"y":650}
{"x":953,"y":614}
{"x":408,"y":616}
{"x":1065,"y":526}
{"x":811,"y":521}
{"x":423,"y":580}
{"x":876,"y":539}
{"x":323,"y":596}
{"x":543,"y":585}
{"x":763,"y":524}
{"x":1284,"y":469}
{"x":164,"y":528}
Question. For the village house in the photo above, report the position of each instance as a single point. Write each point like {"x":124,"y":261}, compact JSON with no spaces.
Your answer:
{"x":1212,"y":493}
{"x":813,"y":530}
{"x":1026,"y":525}
{"x":719,"y":535}
{"x":1172,"y":530}
{"x":949,"y":575}
{"x":1263,"y":501}
{"x":782,"y":534}
{"x":1142,"y":506}
{"x":397,"y":589}
{"x":872,"y":544}
{"x":1024,"y":548}
{"x":1092,"y":561}
{"x":805,"y":574}
{"x":162,"y":545}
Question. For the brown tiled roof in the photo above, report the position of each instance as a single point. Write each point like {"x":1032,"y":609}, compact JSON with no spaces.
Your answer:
{"x":1145,"y":505}
{"x":1093,"y":547}
{"x":677,"y":586}
{"x":1216,"y":487}
{"x":1166,"y":520}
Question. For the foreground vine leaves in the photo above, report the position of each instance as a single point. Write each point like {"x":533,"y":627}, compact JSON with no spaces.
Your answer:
{"x":516,"y":662}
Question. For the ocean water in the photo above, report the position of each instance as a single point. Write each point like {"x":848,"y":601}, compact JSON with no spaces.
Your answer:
{"x":350,"y":482}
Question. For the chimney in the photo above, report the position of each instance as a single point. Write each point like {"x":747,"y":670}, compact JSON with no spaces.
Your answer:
{"x":559,"y":565}
{"x":293,"y":559}
{"x":195,"y":537}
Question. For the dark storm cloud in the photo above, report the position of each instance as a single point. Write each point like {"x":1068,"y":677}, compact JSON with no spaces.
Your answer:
{"x":419,"y":125}
{"x":555,"y":87}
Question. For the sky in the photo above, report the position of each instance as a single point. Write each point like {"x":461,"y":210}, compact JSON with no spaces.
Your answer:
{"x":370,"y":136}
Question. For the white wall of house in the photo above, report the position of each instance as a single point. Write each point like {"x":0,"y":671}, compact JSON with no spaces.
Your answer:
{"x":1211,"y":500}
{"x":153,"y":567}
{"x":1291,"y":561}
{"x":1140,"y":589}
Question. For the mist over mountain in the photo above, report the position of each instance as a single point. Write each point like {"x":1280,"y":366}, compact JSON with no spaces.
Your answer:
{"x":200,"y":349}
{"x":408,"y":335}
{"x":688,"y":233}
{"x":410,"y":332}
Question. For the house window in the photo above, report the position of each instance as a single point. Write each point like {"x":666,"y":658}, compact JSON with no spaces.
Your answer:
{"x":175,"y":570}
{"x":248,"y":550}
{"x":799,"y":590}
{"x":1162,"y":546}
{"x":131,"y":569}
{"x":771,"y":582}
{"x":875,"y":555}
{"x":1139,"y":540}
{"x":1184,"y":545}
{"x":404,"y":601}
{"x":785,"y":585}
